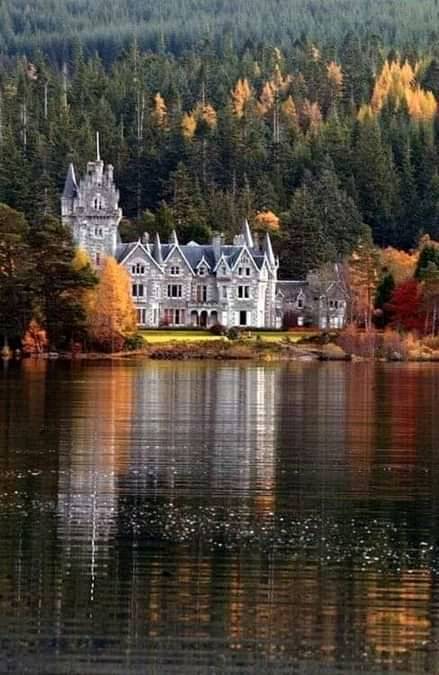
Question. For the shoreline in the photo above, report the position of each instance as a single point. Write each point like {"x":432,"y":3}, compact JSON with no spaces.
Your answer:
{"x":239,"y":350}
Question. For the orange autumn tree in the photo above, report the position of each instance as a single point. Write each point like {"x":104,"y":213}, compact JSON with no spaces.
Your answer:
{"x":397,"y":82}
{"x":267,"y":221}
{"x":113,"y":315}
{"x":362,"y":273}
{"x":400,"y":264}
{"x":241,"y":97}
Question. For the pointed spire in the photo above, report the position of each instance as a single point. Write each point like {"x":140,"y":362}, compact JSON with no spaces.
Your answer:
{"x":98,"y":147}
{"x":157,"y":251}
{"x":246,"y":232}
{"x":174,"y":238}
{"x":268,"y":250}
{"x":70,"y":186}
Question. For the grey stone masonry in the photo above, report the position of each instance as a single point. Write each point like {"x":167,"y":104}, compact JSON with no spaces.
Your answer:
{"x":174,"y":284}
{"x":192,"y":284}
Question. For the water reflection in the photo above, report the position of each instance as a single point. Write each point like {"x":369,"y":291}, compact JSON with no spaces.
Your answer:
{"x":215,"y":517}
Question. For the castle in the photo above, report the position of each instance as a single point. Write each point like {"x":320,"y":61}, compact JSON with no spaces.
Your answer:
{"x":192,"y":284}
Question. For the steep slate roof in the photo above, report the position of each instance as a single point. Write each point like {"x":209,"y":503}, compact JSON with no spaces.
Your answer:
{"x":70,"y":186}
{"x":194,"y":254}
{"x":291,"y":289}
{"x":123,"y":250}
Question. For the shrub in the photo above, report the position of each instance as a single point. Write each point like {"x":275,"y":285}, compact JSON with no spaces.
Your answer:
{"x":134,"y":342}
{"x":234,"y":333}
{"x":218,"y":329}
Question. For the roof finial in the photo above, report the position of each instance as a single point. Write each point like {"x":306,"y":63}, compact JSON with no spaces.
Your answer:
{"x":98,"y":150}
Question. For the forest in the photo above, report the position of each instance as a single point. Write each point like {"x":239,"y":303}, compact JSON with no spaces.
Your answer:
{"x":176,"y":26}
{"x":315,"y":120}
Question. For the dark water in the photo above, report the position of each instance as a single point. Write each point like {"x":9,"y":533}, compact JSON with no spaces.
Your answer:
{"x":193,"y":518}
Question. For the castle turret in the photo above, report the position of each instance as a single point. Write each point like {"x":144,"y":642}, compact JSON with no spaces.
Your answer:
{"x":91,"y":209}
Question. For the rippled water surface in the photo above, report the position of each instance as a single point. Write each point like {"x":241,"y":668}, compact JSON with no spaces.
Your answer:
{"x":216,"y":518}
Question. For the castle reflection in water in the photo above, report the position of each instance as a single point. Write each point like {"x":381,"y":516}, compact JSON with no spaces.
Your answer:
{"x":161,"y":514}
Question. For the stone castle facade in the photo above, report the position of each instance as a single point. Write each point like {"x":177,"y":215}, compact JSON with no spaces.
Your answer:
{"x":175,"y":284}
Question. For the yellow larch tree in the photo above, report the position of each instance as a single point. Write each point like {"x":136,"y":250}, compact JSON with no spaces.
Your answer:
{"x":400,"y":264}
{"x":204,"y":112}
{"x":113,"y":314}
{"x":188,"y":125}
{"x":160,"y":111}
{"x":288,"y":112}
{"x":398,"y":82}
{"x":241,"y":96}
{"x":335,"y":74}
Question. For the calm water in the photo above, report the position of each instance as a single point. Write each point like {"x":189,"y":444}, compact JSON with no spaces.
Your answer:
{"x":205,"y":518}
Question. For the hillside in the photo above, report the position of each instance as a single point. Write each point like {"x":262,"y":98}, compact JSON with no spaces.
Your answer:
{"x":108,"y":26}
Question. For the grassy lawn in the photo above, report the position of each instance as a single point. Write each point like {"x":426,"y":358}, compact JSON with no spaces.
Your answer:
{"x":163,"y":336}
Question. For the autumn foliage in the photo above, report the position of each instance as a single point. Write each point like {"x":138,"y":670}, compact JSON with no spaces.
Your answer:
{"x":397,"y":82}
{"x":35,"y":339}
{"x":112,"y":315}
{"x":406,"y":308}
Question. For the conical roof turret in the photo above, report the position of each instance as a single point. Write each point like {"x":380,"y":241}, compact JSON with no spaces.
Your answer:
{"x":70,"y":186}
{"x":246,"y":233}
{"x":157,"y":249}
{"x":268,"y":250}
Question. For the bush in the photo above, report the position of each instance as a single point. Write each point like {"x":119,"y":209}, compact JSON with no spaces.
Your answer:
{"x":134,"y":342}
{"x":234,"y":333}
{"x":218,"y":329}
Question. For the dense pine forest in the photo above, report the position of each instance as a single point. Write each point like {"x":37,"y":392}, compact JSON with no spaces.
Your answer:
{"x":316,"y":120}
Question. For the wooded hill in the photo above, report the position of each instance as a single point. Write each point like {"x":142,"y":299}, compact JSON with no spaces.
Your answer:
{"x":174,"y":26}
{"x":320,"y":135}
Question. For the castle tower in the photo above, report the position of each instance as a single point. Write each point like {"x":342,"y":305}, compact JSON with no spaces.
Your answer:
{"x":91,"y":209}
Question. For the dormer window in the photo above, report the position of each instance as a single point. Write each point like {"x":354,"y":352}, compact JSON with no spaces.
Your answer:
{"x":138,"y":269}
{"x":223,"y":270}
{"x":300,"y":303}
{"x":202,"y":271}
{"x":175,"y":271}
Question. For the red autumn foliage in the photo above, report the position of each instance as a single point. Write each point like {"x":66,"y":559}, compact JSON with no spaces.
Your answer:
{"x":406,"y":308}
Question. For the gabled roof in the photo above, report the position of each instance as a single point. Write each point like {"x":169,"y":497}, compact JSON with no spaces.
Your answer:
{"x":125,"y":251}
{"x":193,"y":254}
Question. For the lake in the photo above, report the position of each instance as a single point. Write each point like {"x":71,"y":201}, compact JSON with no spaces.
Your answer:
{"x":218,"y":518}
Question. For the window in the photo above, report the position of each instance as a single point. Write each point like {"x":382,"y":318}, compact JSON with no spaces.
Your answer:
{"x":300,"y":303}
{"x":175,"y":270}
{"x":138,"y":291}
{"x":242,"y":318}
{"x":138,"y":269}
{"x":224,"y":292}
{"x":223,"y":270}
{"x":178,"y":317}
{"x":240,"y":271}
{"x":243,"y":292}
{"x":333,"y":304}
{"x":141,"y":317}
{"x":174,"y":291}
{"x":248,"y":271}
{"x":201,"y":293}
{"x":202,"y":271}
{"x":98,"y":259}
{"x":174,"y":317}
